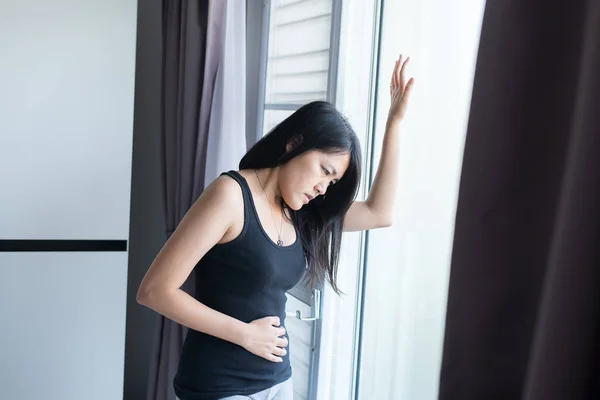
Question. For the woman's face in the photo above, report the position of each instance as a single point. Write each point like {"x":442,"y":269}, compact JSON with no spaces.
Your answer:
{"x":309,"y":175}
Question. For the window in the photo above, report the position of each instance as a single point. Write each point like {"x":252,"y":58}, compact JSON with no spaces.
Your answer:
{"x":299,"y":53}
{"x":408,"y":264}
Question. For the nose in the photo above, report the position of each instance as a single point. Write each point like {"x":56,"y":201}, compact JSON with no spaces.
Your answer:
{"x":321,"y":188}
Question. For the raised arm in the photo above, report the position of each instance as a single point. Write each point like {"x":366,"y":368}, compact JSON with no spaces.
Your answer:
{"x":378,"y":209}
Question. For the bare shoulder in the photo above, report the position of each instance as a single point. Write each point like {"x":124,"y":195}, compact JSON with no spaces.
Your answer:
{"x":224,"y":197}
{"x":225,"y":190}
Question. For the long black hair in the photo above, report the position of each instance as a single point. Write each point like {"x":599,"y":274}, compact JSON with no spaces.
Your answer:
{"x":315,"y":126}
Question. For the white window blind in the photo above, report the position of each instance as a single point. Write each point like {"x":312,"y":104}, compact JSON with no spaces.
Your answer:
{"x":298,"y":57}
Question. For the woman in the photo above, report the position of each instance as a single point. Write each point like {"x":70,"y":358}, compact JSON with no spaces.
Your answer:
{"x":254,"y":233}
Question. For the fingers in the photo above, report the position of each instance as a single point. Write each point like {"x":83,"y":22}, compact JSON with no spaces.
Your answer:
{"x":399,"y":75}
{"x":403,"y":73}
{"x":394,"y":80}
{"x":398,"y":70}
{"x":281,"y":342}
{"x":273,"y":339}
{"x":278,"y":351}
{"x":273,"y":358}
{"x":408,"y":90}
{"x":275,"y":354}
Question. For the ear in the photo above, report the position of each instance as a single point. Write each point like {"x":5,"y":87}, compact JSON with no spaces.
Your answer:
{"x":293,"y":143}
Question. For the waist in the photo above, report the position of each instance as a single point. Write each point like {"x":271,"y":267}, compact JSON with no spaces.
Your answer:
{"x":212,"y":365}
{"x":245,"y":307}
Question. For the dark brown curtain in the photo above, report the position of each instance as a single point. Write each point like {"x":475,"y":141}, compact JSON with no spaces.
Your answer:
{"x":192,"y":46}
{"x":524,"y":299}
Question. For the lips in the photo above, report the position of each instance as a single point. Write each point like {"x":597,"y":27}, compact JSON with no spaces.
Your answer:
{"x":309,"y":197}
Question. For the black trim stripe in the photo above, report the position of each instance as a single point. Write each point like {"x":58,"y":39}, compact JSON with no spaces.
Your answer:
{"x":62,"y":245}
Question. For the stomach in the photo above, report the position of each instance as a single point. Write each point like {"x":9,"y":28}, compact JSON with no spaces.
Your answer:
{"x":211,"y":364}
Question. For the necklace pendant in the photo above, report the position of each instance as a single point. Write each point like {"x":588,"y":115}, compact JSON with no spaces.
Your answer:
{"x":279,"y":241}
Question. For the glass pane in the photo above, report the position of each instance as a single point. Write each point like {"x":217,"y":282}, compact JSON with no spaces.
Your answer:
{"x":408,"y":264}
{"x":298,"y":53}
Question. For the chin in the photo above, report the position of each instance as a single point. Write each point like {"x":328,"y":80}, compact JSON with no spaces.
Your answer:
{"x":294,"y":204}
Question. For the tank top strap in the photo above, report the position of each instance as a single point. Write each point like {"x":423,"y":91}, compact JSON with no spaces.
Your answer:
{"x":246,"y":193}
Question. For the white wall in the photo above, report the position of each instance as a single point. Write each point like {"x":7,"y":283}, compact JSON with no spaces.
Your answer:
{"x":66,"y":119}
{"x":62,"y":319}
{"x":408,"y":264}
{"x":66,"y":109}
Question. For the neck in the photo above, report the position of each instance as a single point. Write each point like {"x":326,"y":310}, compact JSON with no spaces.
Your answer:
{"x":268,"y":179}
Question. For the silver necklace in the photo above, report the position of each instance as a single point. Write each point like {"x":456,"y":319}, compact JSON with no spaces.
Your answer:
{"x":279,"y":241}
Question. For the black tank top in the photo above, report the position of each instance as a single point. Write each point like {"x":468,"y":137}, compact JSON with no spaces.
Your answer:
{"x":246,"y":279}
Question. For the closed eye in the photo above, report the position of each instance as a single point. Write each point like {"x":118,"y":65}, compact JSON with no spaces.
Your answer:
{"x":327,"y":172}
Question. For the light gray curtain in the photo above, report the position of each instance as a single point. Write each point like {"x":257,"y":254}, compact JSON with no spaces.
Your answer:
{"x":226,"y":134}
{"x":203,"y":54}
